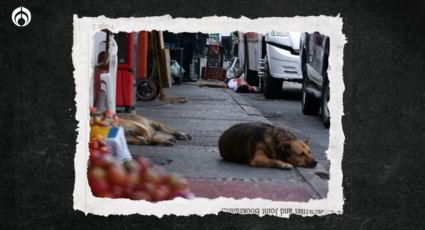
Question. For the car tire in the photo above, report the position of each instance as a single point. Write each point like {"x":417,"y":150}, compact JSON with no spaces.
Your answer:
{"x":324,"y":103}
{"x":272,"y":87}
{"x":309,"y":103}
{"x":147,"y":89}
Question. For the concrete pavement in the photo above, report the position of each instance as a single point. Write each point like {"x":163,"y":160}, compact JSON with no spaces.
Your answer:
{"x":208,"y":112}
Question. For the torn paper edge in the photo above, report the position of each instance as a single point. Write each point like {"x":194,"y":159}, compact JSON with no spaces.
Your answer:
{"x":84,"y":30}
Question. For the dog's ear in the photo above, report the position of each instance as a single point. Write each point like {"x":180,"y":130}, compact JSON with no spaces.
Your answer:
{"x":286,"y":146}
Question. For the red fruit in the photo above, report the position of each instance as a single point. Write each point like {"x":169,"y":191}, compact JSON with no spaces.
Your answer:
{"x":105,"y":194}
{"x":151,"y":176}
{"x":184,"y":184}
{"x":143,"y":163}
{"x":98,"y":186}
{"x":109,"y":161}
{"x":173,"y":180}
{"x":100,"y":139}
{"x":162,"y":175}
{"x":107,"y":120}
{"x":183,"y":194}
{"x":94,"y":152}
{"x":105,"y":161}
{"x":149,"y":188}
{"x":128,"y":191}
{"x":96,"y":173}
{"x":104,"y":150}
{"x":118,"y":192}
{"x":97,"y":119}
{"x":177,"y":182}
{"x":102,"y":142}
{"x":162,"y":193}
{"x":108,"y":113}
{"x":96,"y":158}
{"x":133,"y":178}
{"x":92,"y":109}
{"x":131,"y":166}
{"x":115,"y":118}
{"x":164,"y":179}
{"x":117,"y":176}
{"x":103,"y":123}
{"x":140,"y":195}
{"x":93,"y":144}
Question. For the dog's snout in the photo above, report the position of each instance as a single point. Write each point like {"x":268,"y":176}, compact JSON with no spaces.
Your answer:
{"x":313,"y":163}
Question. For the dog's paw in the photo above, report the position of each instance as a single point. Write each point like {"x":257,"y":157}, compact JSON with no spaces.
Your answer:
{"x":168,"y":143}
{"x":183,"y":137}
{"x":286,"y":166}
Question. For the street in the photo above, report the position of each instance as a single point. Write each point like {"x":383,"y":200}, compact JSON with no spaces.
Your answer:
{"x":210,"y":111}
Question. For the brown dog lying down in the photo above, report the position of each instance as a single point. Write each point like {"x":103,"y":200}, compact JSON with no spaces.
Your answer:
{"x":142,"y":131}
{"x":263,"y":145}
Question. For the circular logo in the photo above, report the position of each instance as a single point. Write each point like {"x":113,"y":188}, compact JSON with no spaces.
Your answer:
{"x":21,"y":16}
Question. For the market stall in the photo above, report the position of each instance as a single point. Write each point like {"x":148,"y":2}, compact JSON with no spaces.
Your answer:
{"x":114,"y":173}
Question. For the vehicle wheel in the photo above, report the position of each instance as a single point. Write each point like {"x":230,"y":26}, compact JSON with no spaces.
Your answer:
{"x":272,"y":86}
{"x":310,"y":104}
{"x":147,"y":89}
{"x":324,"y":103}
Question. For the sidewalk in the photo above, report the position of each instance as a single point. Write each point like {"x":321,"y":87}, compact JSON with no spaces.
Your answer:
{"x":208,"y":112}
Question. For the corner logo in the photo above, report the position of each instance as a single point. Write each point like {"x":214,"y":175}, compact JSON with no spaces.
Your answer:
{"x":21,"y":16}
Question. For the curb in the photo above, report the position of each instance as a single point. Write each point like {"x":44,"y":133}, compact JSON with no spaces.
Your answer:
{"x":245,"y":105}
{"x":318,"y":184}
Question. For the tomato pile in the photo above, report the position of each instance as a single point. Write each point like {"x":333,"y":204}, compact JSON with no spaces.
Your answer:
{"x":135,"y":179}
{"x":107,"y":118}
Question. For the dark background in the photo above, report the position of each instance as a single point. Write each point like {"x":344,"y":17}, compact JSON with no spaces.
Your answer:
{"x":383,"y":123}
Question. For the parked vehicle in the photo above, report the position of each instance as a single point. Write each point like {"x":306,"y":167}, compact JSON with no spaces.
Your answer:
{"x":250,"y":51}
{"x":314,"y":61}
{"x":281,"y":62}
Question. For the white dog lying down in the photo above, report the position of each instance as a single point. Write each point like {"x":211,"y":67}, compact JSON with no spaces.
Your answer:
{"x":142,"y":131}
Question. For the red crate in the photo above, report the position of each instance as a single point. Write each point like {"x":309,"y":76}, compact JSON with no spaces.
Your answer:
{"x":213,"y":73}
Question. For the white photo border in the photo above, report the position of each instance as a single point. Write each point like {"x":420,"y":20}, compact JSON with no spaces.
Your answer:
{"x":84,"y":30}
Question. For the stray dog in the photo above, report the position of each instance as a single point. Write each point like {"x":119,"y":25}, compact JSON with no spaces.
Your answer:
{"x":142,"y":131}
{"x":263,"y":145}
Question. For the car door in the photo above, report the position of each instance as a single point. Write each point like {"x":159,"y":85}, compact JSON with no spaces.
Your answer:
{"x":317,"y":53}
